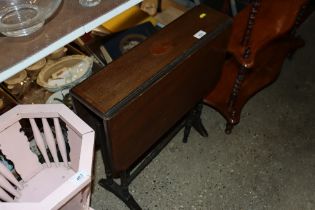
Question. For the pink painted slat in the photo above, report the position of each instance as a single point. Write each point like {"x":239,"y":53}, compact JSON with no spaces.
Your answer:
{"x":44,"y":183}
{"x":8,"y":118}
{"x":61,"y":142}
{"x":39,"y":141}
{"x":15,"y":146}
{"x":80,"y":202}
{"x":23,"y":206}
{"x":5,"y":196}
{"x":87,"y":153}
{"x":27,"y":111}
{"x":73,"y":121}
{"x":65,"y":192}
{"x":9,"y":176}
{"x":75,"y":142}
{"x":50,"y":140}
{"x":4,"y":184}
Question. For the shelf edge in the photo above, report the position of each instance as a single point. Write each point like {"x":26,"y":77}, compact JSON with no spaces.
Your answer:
{"x":109,"y":15}
{"x":41,"y":54}
{"x":19,"y":66}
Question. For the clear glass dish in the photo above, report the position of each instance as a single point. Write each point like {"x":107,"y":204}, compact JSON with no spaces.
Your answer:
{"x":23,"y":17}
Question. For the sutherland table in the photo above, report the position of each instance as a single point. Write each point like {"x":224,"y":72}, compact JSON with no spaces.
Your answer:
{"x":141,"y":96}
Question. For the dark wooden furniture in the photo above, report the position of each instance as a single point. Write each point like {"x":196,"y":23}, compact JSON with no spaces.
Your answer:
{"x":261,"y":38}
{"x":135,"y":101}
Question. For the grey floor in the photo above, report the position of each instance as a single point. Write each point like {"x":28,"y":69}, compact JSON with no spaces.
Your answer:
{"x":268,"y":162}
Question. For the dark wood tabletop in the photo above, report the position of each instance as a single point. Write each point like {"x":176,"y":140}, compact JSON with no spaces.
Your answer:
{"x":142,"y":94}
{"x":118,"y":80}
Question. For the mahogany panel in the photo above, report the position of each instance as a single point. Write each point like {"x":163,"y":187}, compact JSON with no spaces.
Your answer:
{"x":273,"y":19}
{"x":104,"y":89}
{"x":138,"y":125}
{"x":268,"y":66}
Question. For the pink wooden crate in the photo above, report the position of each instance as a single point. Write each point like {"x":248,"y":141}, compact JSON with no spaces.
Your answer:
{"x":62,"y":180}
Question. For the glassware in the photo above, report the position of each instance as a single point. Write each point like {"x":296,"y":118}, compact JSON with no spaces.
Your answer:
{"x":24,"y":17}
{"x":89,"y":3}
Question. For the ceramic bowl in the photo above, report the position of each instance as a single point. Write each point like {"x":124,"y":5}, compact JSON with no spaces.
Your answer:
{"x":18,"y":84}
{"x":65,"y":73}
{"x":23,"y":17}
{"x":16,"y":79}
{"x":58,"y":54}
{"x":33,"y":70}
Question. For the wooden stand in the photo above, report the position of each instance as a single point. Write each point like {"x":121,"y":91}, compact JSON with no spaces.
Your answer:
{"x":134,"y":103}
{"x":258,"y":48}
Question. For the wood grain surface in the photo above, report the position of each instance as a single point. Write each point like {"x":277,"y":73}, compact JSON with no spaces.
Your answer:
{"x":145,"y":92}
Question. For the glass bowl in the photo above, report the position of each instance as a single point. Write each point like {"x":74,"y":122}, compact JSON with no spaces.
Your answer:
{"x":23,"y":17}
{"x":65,"y":73}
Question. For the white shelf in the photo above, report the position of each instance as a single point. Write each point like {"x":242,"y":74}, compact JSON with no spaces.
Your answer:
{"x":71,"y":22}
